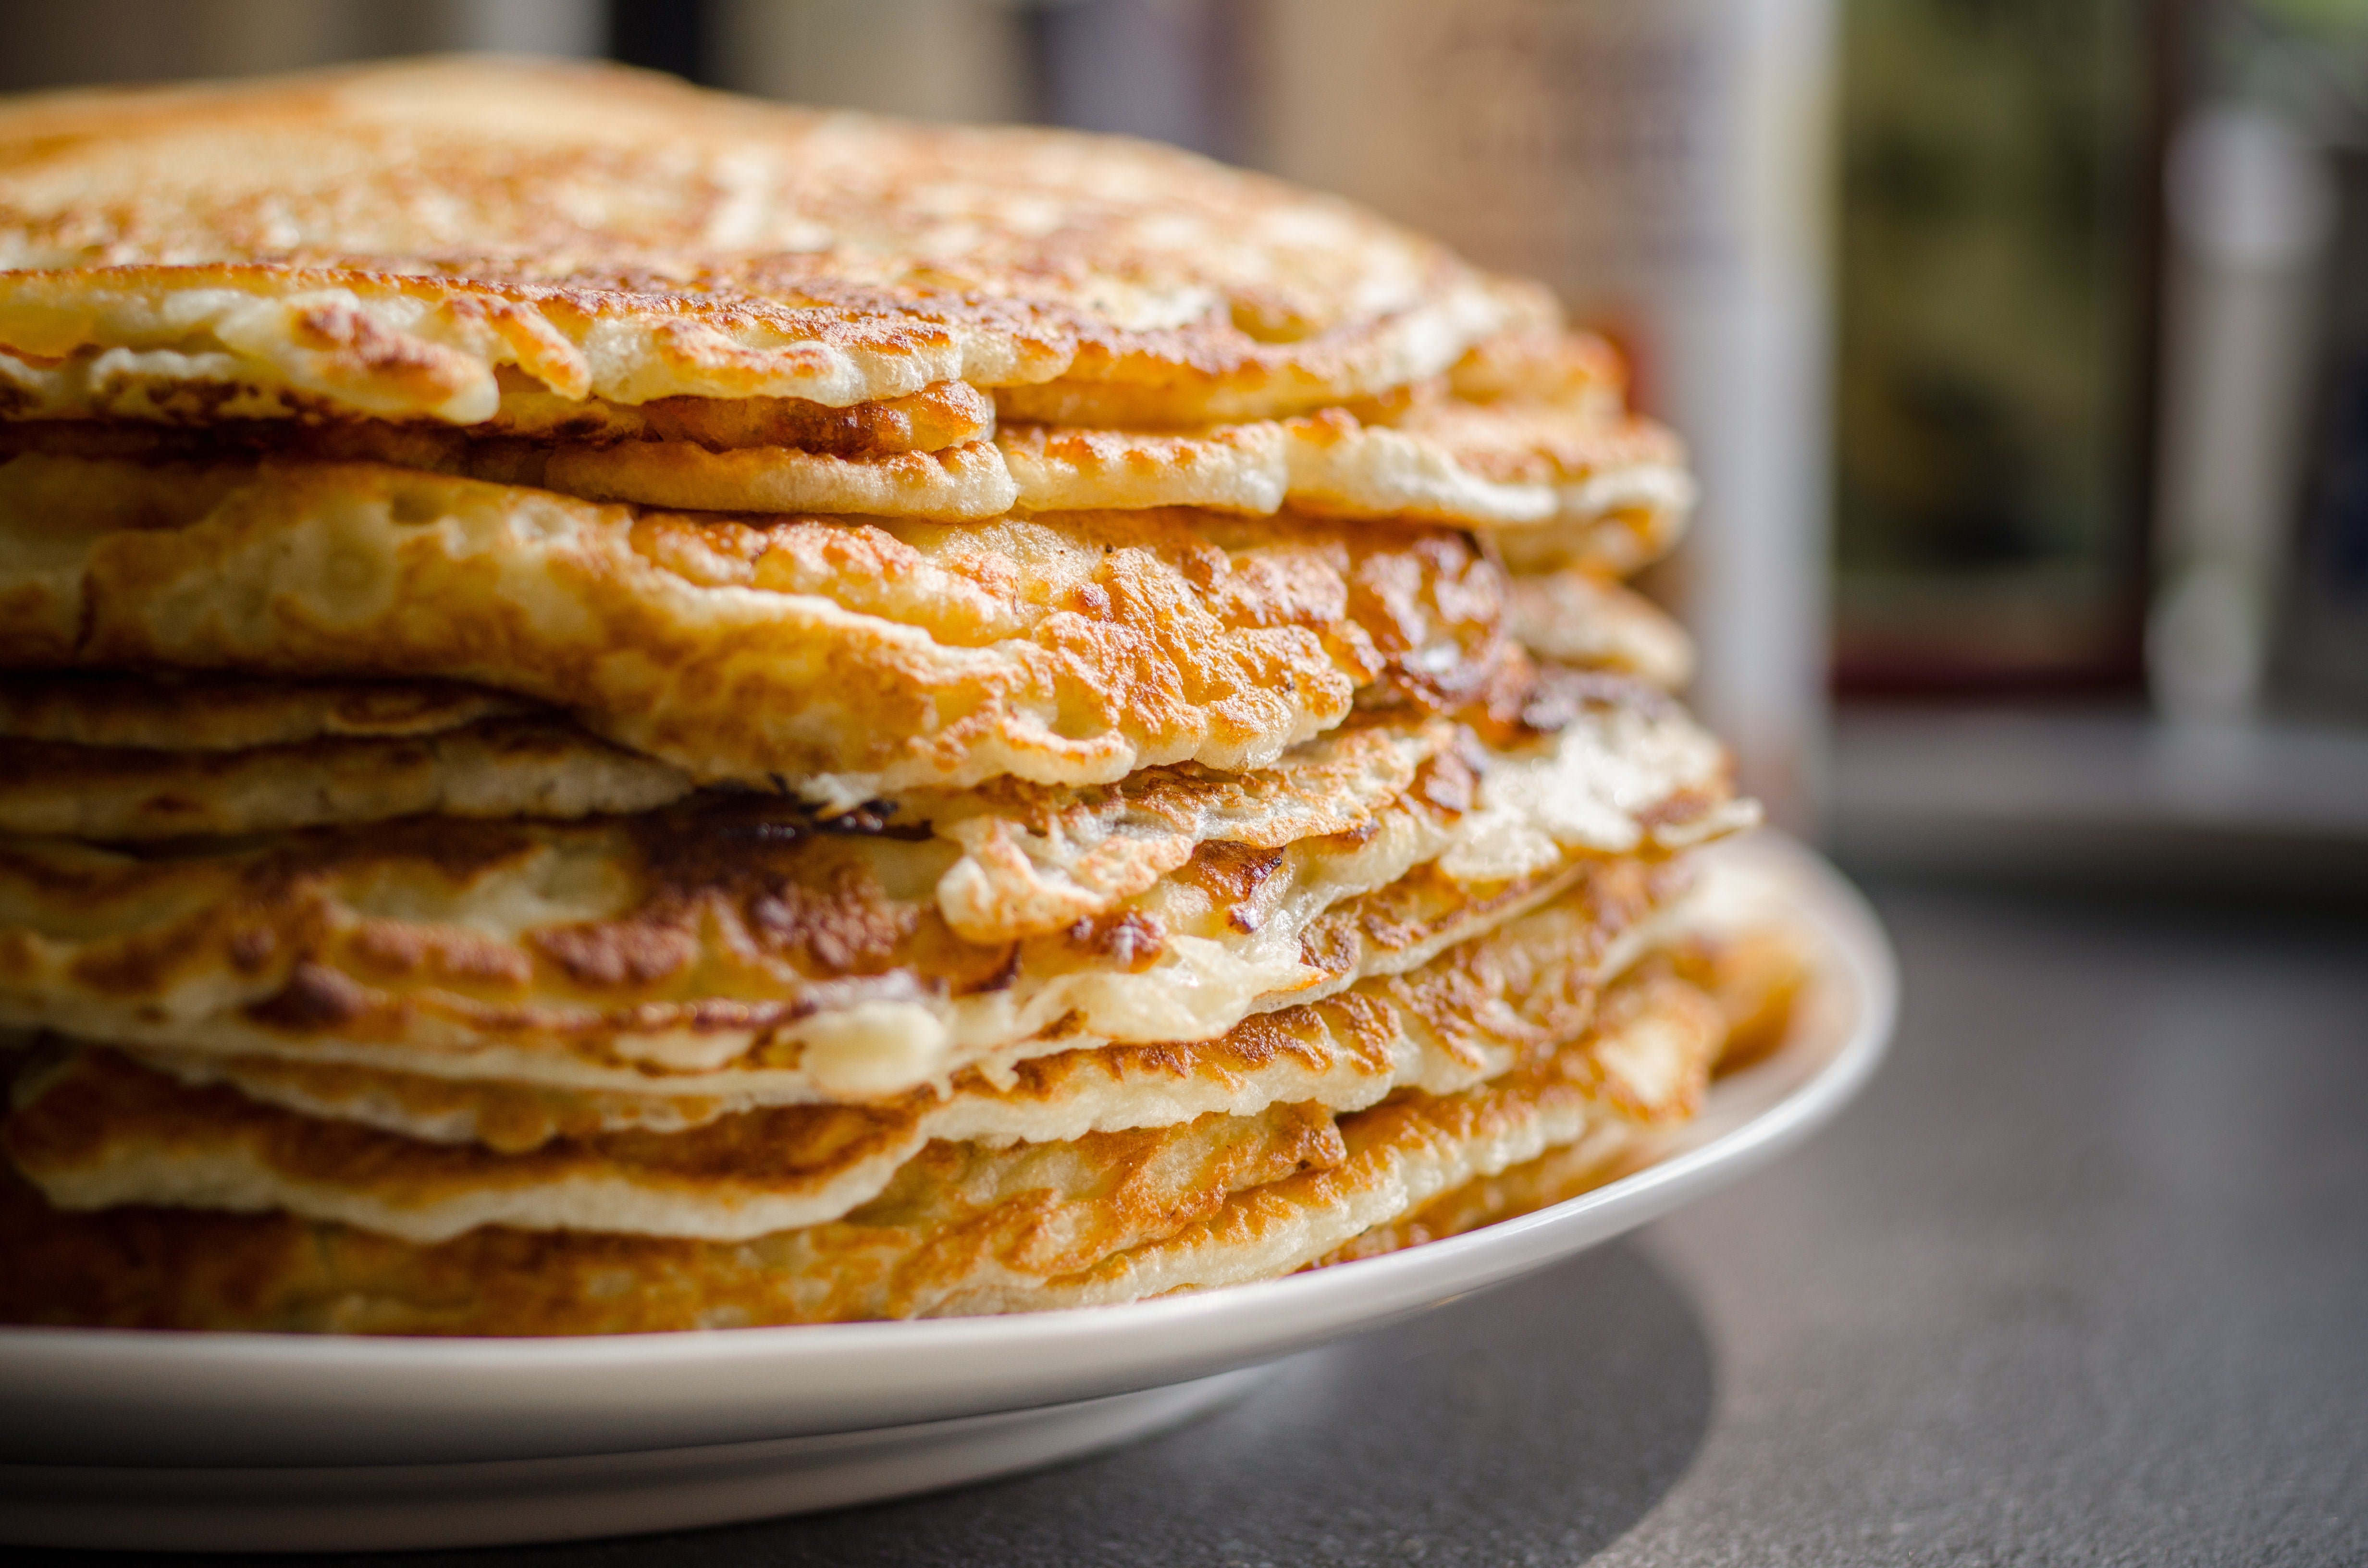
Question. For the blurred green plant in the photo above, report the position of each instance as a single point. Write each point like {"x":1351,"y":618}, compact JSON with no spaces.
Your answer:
{"x":2328,"y":16}
{"x":2308,"y":57}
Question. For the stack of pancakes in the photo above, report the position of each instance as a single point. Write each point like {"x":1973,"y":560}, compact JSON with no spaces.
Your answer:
{"x":626,"y":709}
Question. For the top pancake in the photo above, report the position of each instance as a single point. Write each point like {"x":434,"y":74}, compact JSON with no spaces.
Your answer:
{"x":385,"y":241}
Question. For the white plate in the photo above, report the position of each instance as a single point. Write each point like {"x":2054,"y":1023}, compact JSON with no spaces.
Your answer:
{"x":254,"y":1441}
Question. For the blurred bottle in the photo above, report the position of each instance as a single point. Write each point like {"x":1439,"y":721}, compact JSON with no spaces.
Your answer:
{"x":2303,"y":66}
{"x":2253,"y":209}
{"x":2321,"y":661}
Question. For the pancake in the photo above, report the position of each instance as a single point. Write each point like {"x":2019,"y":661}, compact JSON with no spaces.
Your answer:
{"x":1457,"y":1020}
{"x":113,"y":758}
{"x":960,"y":1216}
{"x":960,"y":483}
{"x":124,"y":758}
{"x":1546,"y":365}
{"x":1751,"y":962}
{"x":100,"y":1133}
{"x":1403,"y":1153}
{"x":847,"y":659}
{"x":231,"y":756}
{"x":1035,"y":860}
{"x":385,"y":241}
{"x":1509,"y":463}
{"x":961,"y":1227}
{"x":1555,"y":1176}
{"x":496,"y":767}
{"x":1490,"y":467}
{"x":1575,"y":616}
{"x":740,"y":946}
{"x":169,"y":711}
{"x":100,"y":1130}
{"x":1616,"y":543}
{"x":946,"y":414}
{"x":964,"y":481}
{"x":1487,"y":467}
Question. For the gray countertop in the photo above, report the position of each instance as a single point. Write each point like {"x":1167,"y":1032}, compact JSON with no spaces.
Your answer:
{"x":2083,"y":1279}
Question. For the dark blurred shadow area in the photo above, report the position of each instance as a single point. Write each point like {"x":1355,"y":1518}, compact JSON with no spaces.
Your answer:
{"x":2021,"y":345}
{"x":147,"y":40}
{"x":1534,"y":1424}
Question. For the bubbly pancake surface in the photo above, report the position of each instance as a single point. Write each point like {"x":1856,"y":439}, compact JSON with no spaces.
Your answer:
{"x":100,"y":1130}
{"x":387,"y":240}
{"x":1497,"y":467}
{"x":1521,"y":464}
{"x":741,"y":943}
{"x":961,"y":1227}
{"x":1465,"y":1017}
{"x":847,"y":659}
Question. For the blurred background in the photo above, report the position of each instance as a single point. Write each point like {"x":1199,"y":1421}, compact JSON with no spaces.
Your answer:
{"x":2022,"y":345}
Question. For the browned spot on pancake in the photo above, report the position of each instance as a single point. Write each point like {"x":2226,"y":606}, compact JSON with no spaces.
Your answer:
{"x":147,"y":962}
{"x":1447,"y":782}
{"x":458,"y":849}
{"x":314,"y":999}
{"x":847,"y":926}
{"x":1560,"y":694}
{"x":378,"y":351}
{"x":1235,"y":875}
{"x":1002,"y":977}
{"x":252,"y":948}
{"x":1681,"y":806}
{"x":717,"y":554}
{"x":403,"y":948}
{"x":1329,"y":947}
{"x":619,"y":953}
{"x":1129,"y":940}
{"x":937,"y":416}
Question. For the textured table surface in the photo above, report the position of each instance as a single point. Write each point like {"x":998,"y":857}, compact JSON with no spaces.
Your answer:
{"x":2083,"y":1279}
